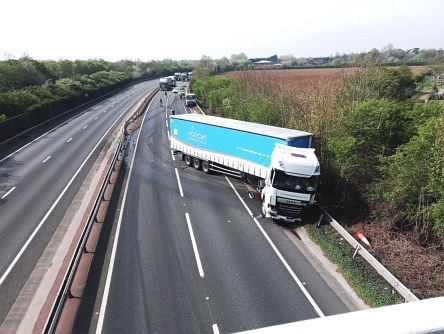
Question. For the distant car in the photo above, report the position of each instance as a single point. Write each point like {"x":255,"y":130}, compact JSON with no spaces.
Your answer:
{"x":176,"y":90}
{"x":181,"y":90}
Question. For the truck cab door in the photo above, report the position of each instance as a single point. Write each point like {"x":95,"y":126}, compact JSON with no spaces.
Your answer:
{"x":267,"y":191}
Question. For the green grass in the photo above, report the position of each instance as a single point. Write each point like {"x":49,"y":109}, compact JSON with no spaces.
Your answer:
{"x":365,"y":281}
{"x":427,"y":87}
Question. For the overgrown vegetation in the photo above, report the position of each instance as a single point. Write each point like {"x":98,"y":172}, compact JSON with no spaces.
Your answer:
{"x":67,"y":90}
{"x":381,"y":152}
{"x":28,"y":85}
{"x":367,"y":284}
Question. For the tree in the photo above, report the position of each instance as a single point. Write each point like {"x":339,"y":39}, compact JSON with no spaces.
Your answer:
{"x":337,"y":62}
{"x":436,"y":63}
{"x":374,"y":129}
{"x":223,"y":65}
{"x":412,"y":182}
{"x":373,"y":56}
{"x":288,"y":57}
{"x":204,"y":67}
{"x":239,"y":57}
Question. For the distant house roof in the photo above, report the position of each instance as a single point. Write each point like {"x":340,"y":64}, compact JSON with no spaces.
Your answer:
{"x":263,"y":62}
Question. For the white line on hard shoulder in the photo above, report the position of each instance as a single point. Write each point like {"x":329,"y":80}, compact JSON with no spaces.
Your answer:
{"x":10,"y":191}
{"x":193,"y":241}
{"x":293,"y":275}
{"x":109,"y":275}
{"x":36,"y":139}
{"x":39,"y":226}
{"x":178,"y":182}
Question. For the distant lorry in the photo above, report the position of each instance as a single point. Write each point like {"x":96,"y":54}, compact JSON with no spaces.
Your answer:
{"x":178,"y":76}
{"x":165,"y":83}
{"x":172,"y":80}
{"x":278,"y":162}
{"x":190,"y":100}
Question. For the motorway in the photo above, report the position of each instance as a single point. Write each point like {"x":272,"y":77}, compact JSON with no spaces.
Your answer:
{"x":38,"y":183}
{"x":188,"y":255}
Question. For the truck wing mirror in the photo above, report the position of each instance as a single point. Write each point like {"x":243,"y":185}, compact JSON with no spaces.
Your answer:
{"x":261,"y":184}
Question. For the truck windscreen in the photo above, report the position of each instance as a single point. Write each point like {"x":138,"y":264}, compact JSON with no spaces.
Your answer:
{"x":286,"y":182}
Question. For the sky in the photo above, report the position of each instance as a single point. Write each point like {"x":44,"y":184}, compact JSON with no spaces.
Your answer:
{"x":189,"y":29}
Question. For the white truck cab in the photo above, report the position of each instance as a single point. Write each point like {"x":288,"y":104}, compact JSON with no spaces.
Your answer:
{"x":291,"y":182}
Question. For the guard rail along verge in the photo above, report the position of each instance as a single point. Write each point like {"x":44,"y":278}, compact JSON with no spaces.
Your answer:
{"x":371,"y":260}
{"x":65,"y":290}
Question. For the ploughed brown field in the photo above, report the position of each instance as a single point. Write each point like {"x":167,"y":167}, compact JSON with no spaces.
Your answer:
{"x":289,"y":76}
{"x":311,"y":73}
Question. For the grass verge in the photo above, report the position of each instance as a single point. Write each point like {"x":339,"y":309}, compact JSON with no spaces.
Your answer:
{"x":364,"y":280}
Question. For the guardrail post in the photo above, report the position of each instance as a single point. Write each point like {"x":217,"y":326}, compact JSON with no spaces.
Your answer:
{"x":85,"y":250}
{"x":320,"y":220}
{"x":358,"y":247}
{"x":97,"y":221}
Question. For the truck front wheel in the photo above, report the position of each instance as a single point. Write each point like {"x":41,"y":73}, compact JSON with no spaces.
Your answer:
{"x":206,"y":166}
{"x":196,"y":163}
{"x":188,"y":160}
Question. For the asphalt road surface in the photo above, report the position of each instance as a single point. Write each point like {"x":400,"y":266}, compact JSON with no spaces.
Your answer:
{"x":187,"y":254}
{"x":39,"y":180}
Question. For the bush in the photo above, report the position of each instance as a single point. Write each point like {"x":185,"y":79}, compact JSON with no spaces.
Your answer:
{"x":412,"y":179}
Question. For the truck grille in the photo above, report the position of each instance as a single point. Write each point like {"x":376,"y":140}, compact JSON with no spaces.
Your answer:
{"x":289,"y":208}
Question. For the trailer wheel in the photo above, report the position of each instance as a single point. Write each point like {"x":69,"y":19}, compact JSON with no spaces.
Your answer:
{"x":196,"y":163}
{"x":188,"y":160}
{"x":206,"y":166}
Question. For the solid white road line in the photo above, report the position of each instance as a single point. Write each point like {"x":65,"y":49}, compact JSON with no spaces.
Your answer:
{"x":178,"y":182}
{"x":116,"y":239}
{"x":10,"y":191}
{"x":39,"y":226}
{"x":215,"y":329}
{"x":296,"y":279}
{"x":193,"y":241}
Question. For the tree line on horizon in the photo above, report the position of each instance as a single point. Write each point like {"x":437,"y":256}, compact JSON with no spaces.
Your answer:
{"x":29,"y":85}
{"x":388,"y":56}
